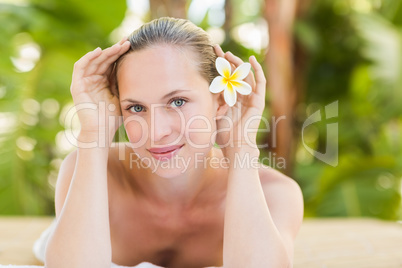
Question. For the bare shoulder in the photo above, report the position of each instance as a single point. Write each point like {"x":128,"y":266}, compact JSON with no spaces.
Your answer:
{"x":276,"y":183}
{"x":283,"y":196}
{"x":285,"y":202}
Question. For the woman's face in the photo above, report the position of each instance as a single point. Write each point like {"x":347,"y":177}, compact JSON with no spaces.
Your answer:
{"x":166,"y":102}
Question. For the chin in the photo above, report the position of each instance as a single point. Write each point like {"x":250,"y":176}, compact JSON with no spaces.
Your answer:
{"x":167,"y":168}
{"x":188,"y":158}
{"x":169,"y":173}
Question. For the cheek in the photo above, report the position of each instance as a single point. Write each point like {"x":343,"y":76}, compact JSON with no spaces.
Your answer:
{"x":199,"y":129}
{"x":137,"y":130}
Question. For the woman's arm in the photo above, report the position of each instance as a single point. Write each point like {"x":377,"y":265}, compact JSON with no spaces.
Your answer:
{"x":82,"y":236}
{"x":251,"y":238}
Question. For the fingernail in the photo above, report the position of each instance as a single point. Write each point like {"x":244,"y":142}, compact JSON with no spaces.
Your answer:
{"x":96,"y":49}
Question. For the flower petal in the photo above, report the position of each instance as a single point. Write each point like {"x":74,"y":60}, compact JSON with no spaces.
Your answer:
{"x":241,"y":87}
{"x":223,"y":67}
{"x":241,"y":72}
{"x":230,"y":95}
{"x":217,"y":85}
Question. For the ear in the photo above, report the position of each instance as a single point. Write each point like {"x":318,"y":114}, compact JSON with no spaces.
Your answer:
{"x":222,"y":107}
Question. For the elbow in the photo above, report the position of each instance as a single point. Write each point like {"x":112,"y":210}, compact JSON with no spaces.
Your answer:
{"x":54,"y":257}
{"x":50,"y":258}
{"x":272,"y":260}
{"x":61,"y":257}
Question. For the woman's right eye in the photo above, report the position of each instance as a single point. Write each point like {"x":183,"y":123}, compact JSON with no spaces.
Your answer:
{"x":136,"y":108}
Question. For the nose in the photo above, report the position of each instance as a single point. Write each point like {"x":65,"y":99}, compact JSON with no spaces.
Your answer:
{"x":160,"y":124}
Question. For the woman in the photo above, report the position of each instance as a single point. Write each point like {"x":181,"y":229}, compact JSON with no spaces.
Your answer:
{"x":169,"y":197}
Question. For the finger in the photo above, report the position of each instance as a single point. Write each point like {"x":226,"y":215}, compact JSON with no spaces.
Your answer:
{"x":233,"y":59}
{"x":124,"y":39}
{"x":218,"y":50}
{"x":105,"y":66}
{"x":81,"y":65}
{"x":220,"y":53}
{"x":106,"y":53}
{"x":260,"y":80}
{"x":125,"y":45}
{"x":94,"y":67}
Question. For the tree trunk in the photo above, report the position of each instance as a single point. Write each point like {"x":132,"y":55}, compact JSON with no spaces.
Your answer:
{"x":169,"y":8}
{"x":279,"y":63}
{"x":227,"y":25}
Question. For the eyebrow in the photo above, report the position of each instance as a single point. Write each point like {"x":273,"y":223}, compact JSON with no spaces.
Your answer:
{"x":174,"y":92}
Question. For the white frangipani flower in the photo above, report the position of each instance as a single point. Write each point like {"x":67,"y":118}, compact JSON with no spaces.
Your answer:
{"x":230,"y":82}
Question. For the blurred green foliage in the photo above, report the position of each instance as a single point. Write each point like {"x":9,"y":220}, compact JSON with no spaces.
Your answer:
{"x":353,"y":57}
{"x":32,"y":102}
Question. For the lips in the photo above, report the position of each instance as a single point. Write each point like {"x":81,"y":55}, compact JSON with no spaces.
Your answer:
{"x":164,"y":150}
{"x":165,"y":153}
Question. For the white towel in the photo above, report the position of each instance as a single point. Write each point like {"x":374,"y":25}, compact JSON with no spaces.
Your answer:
{"x":40,"y":246}
{"x":142,"y":265}
{"x":20,"y":266}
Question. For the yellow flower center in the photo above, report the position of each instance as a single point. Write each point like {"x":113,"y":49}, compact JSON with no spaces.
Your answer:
{"x":235,"y":83}
{"x":226,"y":73}
{"x":234,"y":76}
{"x":230,"y":87}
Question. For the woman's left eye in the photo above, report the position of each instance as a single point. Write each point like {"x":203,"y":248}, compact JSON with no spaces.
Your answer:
{"x":178,"y":102}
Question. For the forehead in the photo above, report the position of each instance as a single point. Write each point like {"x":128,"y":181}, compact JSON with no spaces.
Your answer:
{"x":159,"y":69}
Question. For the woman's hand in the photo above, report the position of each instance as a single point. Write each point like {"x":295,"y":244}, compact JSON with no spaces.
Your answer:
{"x":243,"y":119}
{"x":91,"y":91}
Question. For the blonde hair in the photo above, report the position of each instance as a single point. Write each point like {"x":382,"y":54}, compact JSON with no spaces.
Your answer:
{"x":181,"y":33}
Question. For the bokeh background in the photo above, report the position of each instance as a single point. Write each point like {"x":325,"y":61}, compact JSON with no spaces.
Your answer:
{"x":314,"y":53}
